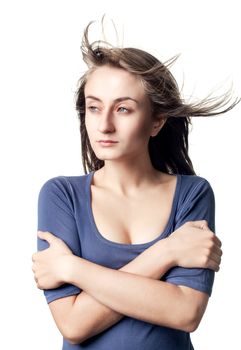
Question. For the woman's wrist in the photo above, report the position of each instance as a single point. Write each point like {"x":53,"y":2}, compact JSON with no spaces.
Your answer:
{"x":172,"y":251}
{"x":167,"y":252}
{"x":68,"y":270}
{"x":153,"y":262}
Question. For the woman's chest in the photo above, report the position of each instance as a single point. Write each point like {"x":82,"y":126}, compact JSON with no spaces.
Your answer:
{"x":131,"y":221}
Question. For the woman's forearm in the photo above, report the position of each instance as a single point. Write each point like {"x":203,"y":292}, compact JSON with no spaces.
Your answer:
{"x":137,"y":296}
{"x":130,"y":294}
{"x":88,"y":317}
{"x":108,"y":294}
{"x":153,"y":262}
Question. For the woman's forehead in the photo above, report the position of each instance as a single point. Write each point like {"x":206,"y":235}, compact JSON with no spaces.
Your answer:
{"x":114,"y":81}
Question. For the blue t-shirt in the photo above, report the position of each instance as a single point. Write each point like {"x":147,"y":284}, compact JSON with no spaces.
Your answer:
{"x":64,"y":209}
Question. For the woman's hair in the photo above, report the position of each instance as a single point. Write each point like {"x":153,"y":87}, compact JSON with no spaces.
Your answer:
{"x":169,"y":148}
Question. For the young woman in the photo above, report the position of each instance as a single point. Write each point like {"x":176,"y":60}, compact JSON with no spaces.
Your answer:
{"x":127,"y":252}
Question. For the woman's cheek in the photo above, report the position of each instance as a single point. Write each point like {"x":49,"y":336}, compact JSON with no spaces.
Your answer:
{"x":90,"y":132}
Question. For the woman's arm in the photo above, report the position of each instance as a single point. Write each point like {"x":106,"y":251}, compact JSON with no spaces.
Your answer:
{"x":147,"y":299}
{"x":70,"y":312}
{"x":152,"y":301}
{"x":81,"y":317}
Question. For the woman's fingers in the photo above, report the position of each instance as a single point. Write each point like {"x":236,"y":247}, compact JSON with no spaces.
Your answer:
{"x":47,"y":236}
{"x":213,"y":265}
{"x":215,"y":254}
{"x":217,"y":250}
{"x":217,"y":241}
{"x":215,"y":257}
{"x":202,"y":224}
{"x":213,"y":261}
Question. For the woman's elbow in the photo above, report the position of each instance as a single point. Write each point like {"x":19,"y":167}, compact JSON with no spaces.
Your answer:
{"x":195,"y":306}
{"x":192,"y":325}
{"x":73,"y":337}
{"x":194,"y":320}
{"x":73,"y":341}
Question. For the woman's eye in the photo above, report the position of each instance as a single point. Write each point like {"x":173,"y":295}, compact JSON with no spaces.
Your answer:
{"x":95,"y":109}
{"x":92,"y":108}
{"x":123,"y":109}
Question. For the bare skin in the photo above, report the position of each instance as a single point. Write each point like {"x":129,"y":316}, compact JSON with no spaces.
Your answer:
{"x":134,"y":218}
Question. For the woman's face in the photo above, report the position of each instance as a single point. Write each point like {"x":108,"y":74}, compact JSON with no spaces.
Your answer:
{"x":117,"y":109}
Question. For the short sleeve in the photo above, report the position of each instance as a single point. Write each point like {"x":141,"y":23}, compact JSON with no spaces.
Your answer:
{"x":198,"y":203}
{"x":56,"y":215}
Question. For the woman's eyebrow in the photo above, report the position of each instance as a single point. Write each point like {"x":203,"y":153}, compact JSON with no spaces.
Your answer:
{"x":119,"y":99}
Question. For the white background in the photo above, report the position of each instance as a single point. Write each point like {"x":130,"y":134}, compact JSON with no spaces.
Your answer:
{"x":40,"y":66}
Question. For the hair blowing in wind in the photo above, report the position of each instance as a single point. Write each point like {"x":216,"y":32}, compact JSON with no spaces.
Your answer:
{"x":168,"y":150}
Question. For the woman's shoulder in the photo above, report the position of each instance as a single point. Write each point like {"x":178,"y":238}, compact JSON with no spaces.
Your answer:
{"x":194,"y":180}
{"x":193,"y":187}
{"x":186,"y":181}
{"x":64,"y":183}
{"x":63,"y":179}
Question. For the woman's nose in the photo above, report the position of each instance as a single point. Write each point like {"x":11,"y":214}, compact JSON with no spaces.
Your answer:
{"x":106,"y":123}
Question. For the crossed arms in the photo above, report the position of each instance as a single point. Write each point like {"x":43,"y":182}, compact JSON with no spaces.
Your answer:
{"x":135,"y":290}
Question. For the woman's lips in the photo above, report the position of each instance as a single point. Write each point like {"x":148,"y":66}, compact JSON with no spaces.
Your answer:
{"x":107,"y":142}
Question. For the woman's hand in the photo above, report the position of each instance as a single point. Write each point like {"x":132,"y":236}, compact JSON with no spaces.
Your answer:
{"x":195,"y":245}
{"x":50,"y":265}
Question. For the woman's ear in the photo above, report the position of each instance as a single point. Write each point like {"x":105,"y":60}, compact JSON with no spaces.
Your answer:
{"x":157,"y":125}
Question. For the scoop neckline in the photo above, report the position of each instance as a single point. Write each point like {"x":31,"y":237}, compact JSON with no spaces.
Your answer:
{"x":163,"y":234}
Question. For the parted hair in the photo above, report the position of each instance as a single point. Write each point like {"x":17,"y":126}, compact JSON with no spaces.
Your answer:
{"x":168,"y":150}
